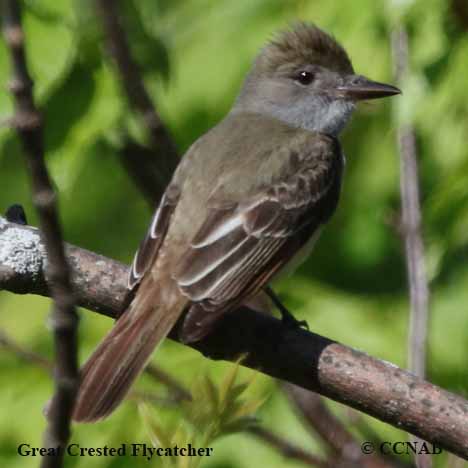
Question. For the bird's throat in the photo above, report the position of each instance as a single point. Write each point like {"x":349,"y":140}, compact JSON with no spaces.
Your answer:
{"x":324,"y":117}
{"x":318,"y":115}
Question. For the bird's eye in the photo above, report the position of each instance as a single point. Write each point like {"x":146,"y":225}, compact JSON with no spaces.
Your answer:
{"x":305,"y":77}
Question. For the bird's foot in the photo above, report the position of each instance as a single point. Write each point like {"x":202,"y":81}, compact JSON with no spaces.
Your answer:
{"x":286,"y":316}
{"x":290,"y":321}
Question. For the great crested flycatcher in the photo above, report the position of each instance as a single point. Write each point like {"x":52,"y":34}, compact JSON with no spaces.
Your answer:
{"x":247,"y":199}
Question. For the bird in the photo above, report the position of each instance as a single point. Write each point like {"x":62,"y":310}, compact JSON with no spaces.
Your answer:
{"x":247,"y":201}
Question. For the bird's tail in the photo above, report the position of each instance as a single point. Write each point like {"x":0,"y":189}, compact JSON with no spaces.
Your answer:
{"x":118,"y":360}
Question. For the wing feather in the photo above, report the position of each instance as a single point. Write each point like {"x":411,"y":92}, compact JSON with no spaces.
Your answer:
{"x":240,"y":246}
{"x":149,"y":247}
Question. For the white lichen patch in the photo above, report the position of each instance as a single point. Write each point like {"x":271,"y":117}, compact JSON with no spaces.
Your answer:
{"x":389,"y":364}
{"x":21,"y":249}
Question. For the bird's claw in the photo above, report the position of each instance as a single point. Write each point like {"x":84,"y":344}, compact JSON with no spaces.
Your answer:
{"x":292,"y":322}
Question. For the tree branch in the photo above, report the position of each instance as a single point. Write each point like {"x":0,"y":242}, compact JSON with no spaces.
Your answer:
{"x":287,"y":449}
{"x":138,"y":164}
{"x":340,"y":443}
{"x":179,"y":391}
{"x":411,"y":231}
{"x":7,"y":343}
{"x":306,"y":359}
{"x":411,"y":224}
{"x":142,"y":165}
{"x":29,"y":125}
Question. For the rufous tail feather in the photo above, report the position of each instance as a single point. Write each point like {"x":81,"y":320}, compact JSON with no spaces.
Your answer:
{"x":118,"y":360}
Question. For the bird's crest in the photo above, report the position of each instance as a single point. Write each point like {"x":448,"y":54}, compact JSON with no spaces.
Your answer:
{"x":303,"y":44}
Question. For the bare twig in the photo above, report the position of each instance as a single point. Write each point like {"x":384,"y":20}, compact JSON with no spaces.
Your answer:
{"x":323,"y":423}
{"x":287,"y":449}
{"x":411,"y":230}
{"x":161,"y":142}
{"x":153,"y":398}
{"x":341,"y":444}
{"x":8,"y":343}
{"x":179,"y":392}
{"x":12,"y":346}
{"x":64,"y":319}
{"x":306,"y":359}
{"x":144,"y":168}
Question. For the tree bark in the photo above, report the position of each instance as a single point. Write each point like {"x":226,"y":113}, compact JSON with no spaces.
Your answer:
{"x":295,"y":355}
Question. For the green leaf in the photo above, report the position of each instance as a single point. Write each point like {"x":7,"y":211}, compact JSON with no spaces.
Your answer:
{"x":159,"y":436}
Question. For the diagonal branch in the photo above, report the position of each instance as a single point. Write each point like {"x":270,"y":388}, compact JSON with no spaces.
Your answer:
{"x":287,"y":449}
{"x":7,"y":343}
{"x":64,"y":322}
{"x":144,"y":168}
{"x":306,"y":359}
{"x":159,"y":375}
{"x":138,"y":164}
{"x":341,"y":444}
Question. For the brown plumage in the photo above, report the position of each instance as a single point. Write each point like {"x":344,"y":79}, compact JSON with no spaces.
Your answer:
{"x":303,"y":43}
{"x":193,"y":235}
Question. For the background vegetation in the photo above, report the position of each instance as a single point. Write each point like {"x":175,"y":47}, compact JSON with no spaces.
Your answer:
{"x":194,"y":54}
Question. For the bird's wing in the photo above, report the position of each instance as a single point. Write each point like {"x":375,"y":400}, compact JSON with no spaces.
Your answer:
{"x":241,"y":245}
{"x":119,"y":358}
{"x":149,"y":246}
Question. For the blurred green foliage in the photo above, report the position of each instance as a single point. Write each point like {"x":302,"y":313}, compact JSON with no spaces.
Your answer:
{"x":194,"y":54}
{"x":214,"y":411}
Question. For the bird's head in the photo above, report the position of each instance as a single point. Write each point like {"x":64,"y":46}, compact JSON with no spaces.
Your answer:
{"x":305,"y":78}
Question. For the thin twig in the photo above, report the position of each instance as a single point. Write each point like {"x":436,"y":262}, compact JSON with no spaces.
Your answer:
{"x":323,"y":423}
{"x":411,"y":227}
{"x":179,"y":392}
{"x":287,"y":449}
{"x":64,"y":320}
{"x":144,"y":168}
{"x":411,"y":230}
{"x":153,"y":398}
{"x":12,"y":346}
{"x":161,"y":142}
{"x":340,"y":443}
{"x":295,"y":355}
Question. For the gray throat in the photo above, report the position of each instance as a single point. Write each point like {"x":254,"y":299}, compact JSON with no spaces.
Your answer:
{"x":318,"y":114}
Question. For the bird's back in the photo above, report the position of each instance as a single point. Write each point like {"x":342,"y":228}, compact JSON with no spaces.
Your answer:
{"x":232,"y":166}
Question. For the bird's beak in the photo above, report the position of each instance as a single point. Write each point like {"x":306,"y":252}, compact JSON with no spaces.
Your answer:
{"x":359,"y":88}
